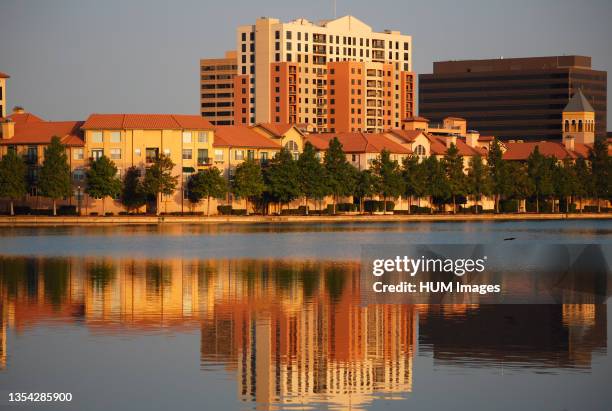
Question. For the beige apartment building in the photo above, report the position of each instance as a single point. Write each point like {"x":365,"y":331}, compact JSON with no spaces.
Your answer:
{"x":306,"y":73}
{"x":217,"y":78}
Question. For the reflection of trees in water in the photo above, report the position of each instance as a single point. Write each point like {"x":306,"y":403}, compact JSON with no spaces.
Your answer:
{"x":157,"y":276}
{"x":56,"y":273}
{"x":335,"y":281}
{"x":101,"y":274}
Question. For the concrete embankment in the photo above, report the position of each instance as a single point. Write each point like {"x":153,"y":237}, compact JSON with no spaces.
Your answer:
{"x":131,"y":220}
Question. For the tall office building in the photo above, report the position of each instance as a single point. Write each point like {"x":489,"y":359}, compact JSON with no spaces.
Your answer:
{"x":3,"y":78}
{"x":337,"y":75}
{"x":516,"y":98}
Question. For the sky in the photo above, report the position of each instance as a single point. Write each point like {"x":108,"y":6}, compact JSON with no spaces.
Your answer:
{"x":70,"y":58}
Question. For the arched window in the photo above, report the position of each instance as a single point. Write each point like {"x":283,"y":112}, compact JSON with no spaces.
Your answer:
{"x":566,"y":125}
{"x":419,"y":150}
{"x":579,"y":125}
{"x":291,"y":146}
{"x":573,"y":125}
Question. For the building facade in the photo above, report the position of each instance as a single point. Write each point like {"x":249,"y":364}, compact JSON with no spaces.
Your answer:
{"x":217,"y":78}
{"x":3,"y":78}
{"x":515,"y":98}
{"x":306,"y":73}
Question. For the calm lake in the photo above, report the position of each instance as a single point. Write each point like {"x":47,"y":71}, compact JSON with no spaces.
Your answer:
{"x":268,"y":316}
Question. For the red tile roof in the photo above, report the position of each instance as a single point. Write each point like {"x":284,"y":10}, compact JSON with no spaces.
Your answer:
{"x":241,"y":136}
{"x":407,"y":135}
{"x":521,"y":151}
{"x":439,"y":147}
{"x":4,"y":75}
{"x":358,"y":142}
{"x":146,"y":122}
{"x":24,"y":118}
{"x":277,"y":129}
{"x":42,"y":132}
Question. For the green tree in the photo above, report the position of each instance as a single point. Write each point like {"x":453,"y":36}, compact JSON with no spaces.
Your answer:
{"x":132,"y":192}
{"x":54,"y":177}
{"x":436,"y":182}
{"x":522,"y":187}
{"x":539,"y":169}
{"x":564,"y":182}
{"x":339,"y":172}
{"x":12,"y":178}
{"x":248,"y":181}
{"x":207,"y":184}
{"x":453,"y":165}
{"x":282,"y":178}
{"x":478,"y":180}
{"x":365,"y":186}
{"x":500,"y":181}
{"x":159,"y":180}
{"x":584,"y":182}
{"x":312,"y":175}
{"x":414,"y":181}
{"x":600,"y":171}
{"x":102,"y":180}
{"x":388,"y":177}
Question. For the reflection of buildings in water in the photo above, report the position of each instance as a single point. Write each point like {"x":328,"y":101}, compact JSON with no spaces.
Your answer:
{"x":290,"y":347}
{"x":291,"y":331}
{"x":527,"y":335}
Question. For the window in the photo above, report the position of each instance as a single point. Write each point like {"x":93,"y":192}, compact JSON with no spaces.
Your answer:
{"x":167,"y":152}
{"x":115,"y":137}
{"x":419,"y":150}
{"x":239,"y":154}
{"x":203,"y":137}
{"x":218,"y":155}
{"x":137,"y":152}
{"x":187,"y":154}
{"x":251,"y":154}
{"x":202,"y":156}
{"x":291,"y":146}
{"x":263,"y":156}
{"x":78,"y":174}
{"x":115,"y":154}
{"x":96,"y":137}
{"x":187,"y":137}
{"x":97,"y":153}
{"x":151,"y":154}
{"x":78,"y":154}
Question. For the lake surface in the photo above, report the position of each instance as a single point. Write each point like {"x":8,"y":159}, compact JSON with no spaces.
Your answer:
{"x":268,"y":316}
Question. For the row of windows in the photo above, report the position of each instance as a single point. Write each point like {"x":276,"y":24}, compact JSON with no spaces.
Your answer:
{"x":433,"y":78}
{"x":521,"y":97}
{"x":220,"y":67}
{"x":589,"y":125}
{"x":115,"y":136}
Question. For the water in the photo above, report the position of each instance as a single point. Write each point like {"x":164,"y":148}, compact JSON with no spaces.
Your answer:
{"x":269,"y":317}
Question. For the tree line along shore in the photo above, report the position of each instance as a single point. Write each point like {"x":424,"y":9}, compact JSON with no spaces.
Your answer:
{"x":540,"y":185}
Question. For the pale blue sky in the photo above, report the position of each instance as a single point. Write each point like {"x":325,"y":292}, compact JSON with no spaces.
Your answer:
{"x":69,"y":58}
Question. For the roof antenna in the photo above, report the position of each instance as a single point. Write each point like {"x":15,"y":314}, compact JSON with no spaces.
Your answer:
{"x":334,"y":2}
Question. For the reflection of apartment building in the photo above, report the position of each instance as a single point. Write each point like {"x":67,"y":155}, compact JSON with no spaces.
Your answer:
{"x":338,"y":75}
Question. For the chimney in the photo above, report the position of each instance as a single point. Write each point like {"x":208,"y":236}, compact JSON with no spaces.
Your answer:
{"x":471,"y":138}
{"x":8,"y":129}
{"x":569,"y":143}
{"x":18,"y":110}
{"x":451,"y":140}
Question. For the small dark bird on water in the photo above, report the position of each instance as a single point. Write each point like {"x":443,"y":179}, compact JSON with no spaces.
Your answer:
{"x":509,"y":238}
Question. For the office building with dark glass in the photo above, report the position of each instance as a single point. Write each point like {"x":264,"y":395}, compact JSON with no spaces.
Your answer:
{"x":513,"y":98}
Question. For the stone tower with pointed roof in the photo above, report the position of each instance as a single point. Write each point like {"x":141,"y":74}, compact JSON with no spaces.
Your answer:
{"x":578,"y":120}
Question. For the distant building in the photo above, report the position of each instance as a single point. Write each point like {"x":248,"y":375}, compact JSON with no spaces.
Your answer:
{"x":3,"y":78}
{"x":337,"y":76}
{"x":516,"y":98}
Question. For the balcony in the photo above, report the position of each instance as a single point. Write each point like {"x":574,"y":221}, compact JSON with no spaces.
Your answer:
{"x":204,"y":161}
{"x":319,"y":38}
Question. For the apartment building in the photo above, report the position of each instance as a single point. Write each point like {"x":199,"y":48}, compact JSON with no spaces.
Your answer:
{"x":217,"y":87}
{"x":513,"y":98}
{"x":3,"y":78}
{"x":305,"y":73}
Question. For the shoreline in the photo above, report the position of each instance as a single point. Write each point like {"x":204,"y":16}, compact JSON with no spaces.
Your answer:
{"x":33,"y":221}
